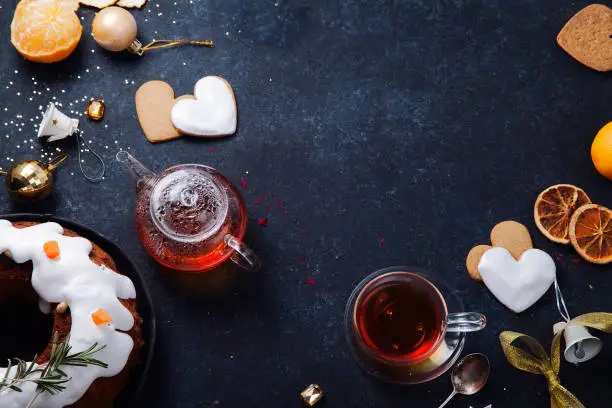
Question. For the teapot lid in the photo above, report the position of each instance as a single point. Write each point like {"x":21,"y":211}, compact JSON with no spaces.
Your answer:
{"x":187,"y":204}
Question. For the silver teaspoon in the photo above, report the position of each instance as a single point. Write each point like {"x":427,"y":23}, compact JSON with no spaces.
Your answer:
{"x":469,"y":376}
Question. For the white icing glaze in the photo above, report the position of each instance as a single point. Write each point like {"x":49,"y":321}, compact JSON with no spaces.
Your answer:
{"x":212,"y":113}
{"x":517,"y":284}
{"x":86,"y":287}
{"x":44,"y":307}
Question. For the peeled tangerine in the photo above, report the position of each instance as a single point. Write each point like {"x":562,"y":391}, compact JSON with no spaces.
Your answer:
{"x":45,"y":30}
{"x":601,"y":151}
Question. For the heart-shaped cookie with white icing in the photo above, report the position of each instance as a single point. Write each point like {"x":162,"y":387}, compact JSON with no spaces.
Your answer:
{"x":511,"y":235}
{"x":213,"y":113}
{"x":154,"y":101}
{"x":517,"y":284}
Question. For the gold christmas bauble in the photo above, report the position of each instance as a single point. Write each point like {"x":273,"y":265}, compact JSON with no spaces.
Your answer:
{"x":30,"y":179}
{"x":114,"y":28}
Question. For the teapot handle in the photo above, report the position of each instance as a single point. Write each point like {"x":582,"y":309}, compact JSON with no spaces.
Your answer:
{"x":244,"y":256}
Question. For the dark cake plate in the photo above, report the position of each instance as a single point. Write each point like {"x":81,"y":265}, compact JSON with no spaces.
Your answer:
{"x":129,"y":396}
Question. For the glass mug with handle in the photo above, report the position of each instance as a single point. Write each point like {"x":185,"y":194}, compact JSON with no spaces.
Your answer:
{"x":399,"y":327}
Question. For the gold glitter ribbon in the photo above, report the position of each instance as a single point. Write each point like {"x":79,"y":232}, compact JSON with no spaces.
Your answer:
{"x":56,"y":161}
{"x":157,"y":44}
{"x":526,"y":354}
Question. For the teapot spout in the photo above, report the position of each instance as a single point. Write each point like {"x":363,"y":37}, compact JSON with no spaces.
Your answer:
{"x":140,"y":174}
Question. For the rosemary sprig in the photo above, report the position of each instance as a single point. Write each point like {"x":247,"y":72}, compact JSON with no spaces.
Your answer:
{"x":51,"y":378}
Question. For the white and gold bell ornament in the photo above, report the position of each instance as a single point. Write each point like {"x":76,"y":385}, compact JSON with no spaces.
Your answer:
{"x":56,"y":124}
{"x":580,"y":345}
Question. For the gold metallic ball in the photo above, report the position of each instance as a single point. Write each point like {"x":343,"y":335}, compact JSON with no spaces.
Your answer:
{"x":29,"y":179}
{"x":114,"y":28}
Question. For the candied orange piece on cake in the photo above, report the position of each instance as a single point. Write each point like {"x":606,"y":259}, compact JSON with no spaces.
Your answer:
{"x":101,"y":317}
{"x":52,"y":250}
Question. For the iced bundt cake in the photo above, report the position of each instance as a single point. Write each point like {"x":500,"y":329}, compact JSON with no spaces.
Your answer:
{"x":92,"y":305}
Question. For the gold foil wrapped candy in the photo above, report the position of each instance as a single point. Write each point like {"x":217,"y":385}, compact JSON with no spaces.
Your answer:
{"x":95,"y":109}
{"x":311,"y":395}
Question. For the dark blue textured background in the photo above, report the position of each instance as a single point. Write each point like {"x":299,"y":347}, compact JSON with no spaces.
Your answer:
{"x":422,"y":123}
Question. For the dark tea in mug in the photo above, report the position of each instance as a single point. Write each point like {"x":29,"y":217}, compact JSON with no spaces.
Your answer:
{"x":400,"y":316}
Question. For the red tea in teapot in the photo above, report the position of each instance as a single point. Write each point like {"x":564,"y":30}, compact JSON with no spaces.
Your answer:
{"x":183,"y":218}
{"x":400,"y":319}
{"x":189,"y":217}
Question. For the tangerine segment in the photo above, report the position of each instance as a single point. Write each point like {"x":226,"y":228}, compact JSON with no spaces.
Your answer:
{"x":554,"y":209}
{"x":591,"y":233}
{"x":45,"y":30}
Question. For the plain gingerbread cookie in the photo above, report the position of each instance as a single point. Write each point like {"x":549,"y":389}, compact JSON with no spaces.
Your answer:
{"x":513,"y":236}
{"x":154,"y":102}
{"x":586,"y":37}
{"x":473,"y":259}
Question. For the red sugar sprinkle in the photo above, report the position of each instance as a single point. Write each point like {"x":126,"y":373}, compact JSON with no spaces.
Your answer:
{"x":304,"y":230}
{"x":263,"y":222}
{"x":310,"y":281}
{"x":382,"y":240}
{"x":281,"y":206}
{"x":210,"y":149}
{"x":243,"y":182}
{"x":258,"y":201}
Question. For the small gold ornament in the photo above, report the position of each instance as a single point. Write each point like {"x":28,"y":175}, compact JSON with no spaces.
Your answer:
{"x":115,"y":29}
{"x":95,"y":109}
{"x":31,"y":179}
{"x":311,"y":395}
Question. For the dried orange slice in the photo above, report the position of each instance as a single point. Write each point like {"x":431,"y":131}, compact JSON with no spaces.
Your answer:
{"x":45,"y":30}
{"x":591,"y":233}
{"x":554,"y":208}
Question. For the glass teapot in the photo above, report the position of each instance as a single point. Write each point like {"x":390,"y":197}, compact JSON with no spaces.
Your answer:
{"x":189,"y":217}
